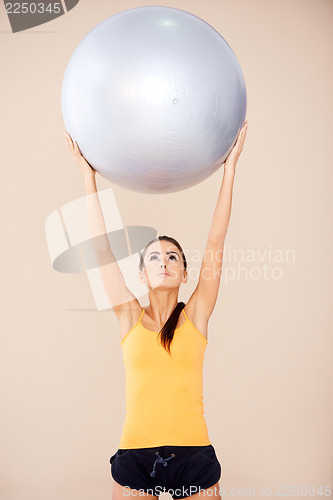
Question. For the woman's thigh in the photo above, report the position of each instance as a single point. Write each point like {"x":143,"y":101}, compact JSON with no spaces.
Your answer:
{"x":212,"y":492}
{"x":120,"y":492}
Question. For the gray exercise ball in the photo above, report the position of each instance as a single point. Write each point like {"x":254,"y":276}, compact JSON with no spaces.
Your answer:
{"x":155,"y":98}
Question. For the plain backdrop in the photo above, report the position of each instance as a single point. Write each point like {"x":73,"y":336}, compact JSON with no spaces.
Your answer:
{"x":268,"y":363}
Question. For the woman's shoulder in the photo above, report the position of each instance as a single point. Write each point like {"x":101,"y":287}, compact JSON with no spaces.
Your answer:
{"x":129,"y":318}
{"x":198,"y":320}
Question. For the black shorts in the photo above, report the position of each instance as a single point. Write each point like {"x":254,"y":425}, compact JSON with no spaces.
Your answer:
{"x":179,"y":470}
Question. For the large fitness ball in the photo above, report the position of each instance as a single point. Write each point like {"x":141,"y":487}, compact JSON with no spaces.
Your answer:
{"x":155,"y":98}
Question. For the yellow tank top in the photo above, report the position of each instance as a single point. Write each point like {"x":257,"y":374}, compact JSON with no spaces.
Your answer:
{"x":164,"y":395}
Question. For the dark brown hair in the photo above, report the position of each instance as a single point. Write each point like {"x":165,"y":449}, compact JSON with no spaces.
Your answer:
{"x":168,"y":329}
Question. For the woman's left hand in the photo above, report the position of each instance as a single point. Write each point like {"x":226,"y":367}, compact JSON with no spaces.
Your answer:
{"x":231,"y":160}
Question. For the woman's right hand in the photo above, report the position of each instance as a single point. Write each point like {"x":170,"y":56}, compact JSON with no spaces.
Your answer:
{"x":85,"y":167}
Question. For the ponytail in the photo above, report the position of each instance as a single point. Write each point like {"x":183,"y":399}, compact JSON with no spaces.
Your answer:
{"x":169,"y":327}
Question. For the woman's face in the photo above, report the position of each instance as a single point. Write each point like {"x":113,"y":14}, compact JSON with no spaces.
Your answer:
{"x":163,"y":266}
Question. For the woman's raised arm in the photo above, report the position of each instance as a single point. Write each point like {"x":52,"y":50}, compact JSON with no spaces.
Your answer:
{"x":204,"y":296}
{"x":121,"y":298}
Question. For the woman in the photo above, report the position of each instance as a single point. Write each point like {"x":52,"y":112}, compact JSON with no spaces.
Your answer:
{"x":164,"y":445}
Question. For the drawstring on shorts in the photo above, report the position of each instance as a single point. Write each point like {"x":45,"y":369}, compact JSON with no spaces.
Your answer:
{"x":160,"y":460}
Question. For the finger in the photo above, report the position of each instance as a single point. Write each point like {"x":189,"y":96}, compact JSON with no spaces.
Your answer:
{"x":77,"y":148}
{"x":244,"y":130}
{"x":70,"y":145}
{"x":68,"y":137}
{"x":69,"y":140}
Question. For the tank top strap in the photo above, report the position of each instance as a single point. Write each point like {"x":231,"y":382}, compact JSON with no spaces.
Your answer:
{"x":143,"y":311}
{"x":184,"y":313}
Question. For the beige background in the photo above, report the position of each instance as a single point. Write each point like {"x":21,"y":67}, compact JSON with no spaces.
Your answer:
{"x":268,"y":369}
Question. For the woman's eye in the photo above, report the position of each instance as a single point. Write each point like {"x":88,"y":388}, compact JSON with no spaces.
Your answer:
{"x":155,"y":256}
